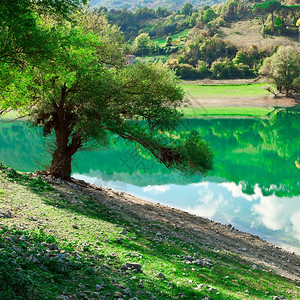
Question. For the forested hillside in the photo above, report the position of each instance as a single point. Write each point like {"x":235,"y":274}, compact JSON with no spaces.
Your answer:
{"x":131,"y":4}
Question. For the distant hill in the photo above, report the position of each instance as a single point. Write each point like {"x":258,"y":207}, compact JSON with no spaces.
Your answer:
{"x":131,"y":4}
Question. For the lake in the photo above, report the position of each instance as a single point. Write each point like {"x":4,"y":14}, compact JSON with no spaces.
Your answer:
{"x":255,"y":184}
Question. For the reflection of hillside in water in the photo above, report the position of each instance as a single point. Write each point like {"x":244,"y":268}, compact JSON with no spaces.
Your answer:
{"x":248,"y":151}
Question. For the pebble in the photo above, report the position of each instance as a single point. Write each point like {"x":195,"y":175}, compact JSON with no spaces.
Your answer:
{"x":127,"y":291}
{"x":118,"y":294}
{"x":23,"y":238}
{"x":160,"y":275}
{"x":133,"y":266}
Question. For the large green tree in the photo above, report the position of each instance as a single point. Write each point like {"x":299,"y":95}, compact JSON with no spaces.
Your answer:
{"x":283,"y":68}
{"x":86,"y":95}
{"x":23,"y":41}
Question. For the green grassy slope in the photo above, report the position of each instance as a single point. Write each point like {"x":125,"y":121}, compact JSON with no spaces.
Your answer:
{"x":61,"y":243}
{"x":162,"y":40}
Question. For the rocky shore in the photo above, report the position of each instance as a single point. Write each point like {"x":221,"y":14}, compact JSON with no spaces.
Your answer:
{"x":168,"y":222}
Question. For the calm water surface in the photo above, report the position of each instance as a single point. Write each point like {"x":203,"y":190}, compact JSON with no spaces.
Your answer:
{"x":255,"y":185}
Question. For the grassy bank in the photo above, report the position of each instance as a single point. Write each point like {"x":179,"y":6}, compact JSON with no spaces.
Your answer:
{"x":224,"y":91}
{"x":61,"y":241}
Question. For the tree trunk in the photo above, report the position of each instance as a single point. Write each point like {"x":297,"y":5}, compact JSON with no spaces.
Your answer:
{"x":61,"y":164}
{"x":272,"y":26}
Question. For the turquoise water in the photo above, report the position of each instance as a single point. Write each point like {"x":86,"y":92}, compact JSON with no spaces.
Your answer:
{"x":255,"y":185}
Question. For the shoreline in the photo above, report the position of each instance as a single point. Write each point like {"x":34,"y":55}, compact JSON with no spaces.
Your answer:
{"x":106,"y":245}
{"x":213,"y":235}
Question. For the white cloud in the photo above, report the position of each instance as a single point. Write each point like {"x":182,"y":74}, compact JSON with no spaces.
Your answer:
{"x":237,"y":192}
{"x":157,"y":189}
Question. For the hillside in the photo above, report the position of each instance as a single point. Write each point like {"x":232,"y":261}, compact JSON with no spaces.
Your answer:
{"x":64,"y":240}
{"x":248,"y":32}
{"x":131,"y":4}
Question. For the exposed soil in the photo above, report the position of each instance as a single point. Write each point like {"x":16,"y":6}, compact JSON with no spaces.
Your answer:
{"x":265,"y":101}
{"x":247,"y":33}
{"x":196,"y":230}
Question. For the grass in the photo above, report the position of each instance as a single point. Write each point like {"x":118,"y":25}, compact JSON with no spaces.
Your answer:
{"x":162,"y":40}
{"x":62,"y":242}
{"x":225,"y":90}
{"x":225,"y":111}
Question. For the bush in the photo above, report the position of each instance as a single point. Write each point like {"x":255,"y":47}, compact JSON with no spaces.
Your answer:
{"x":186,"y":71}
{"x":226,"y":69}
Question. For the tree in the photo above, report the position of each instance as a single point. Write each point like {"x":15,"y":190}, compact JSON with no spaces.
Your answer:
{"x":268,"y":7}
{"x":23,"y":41}
{"x":142,"y":44}
{"x":282,"y":68}
{"x":187,"y":9}
{"x":86,"y":95}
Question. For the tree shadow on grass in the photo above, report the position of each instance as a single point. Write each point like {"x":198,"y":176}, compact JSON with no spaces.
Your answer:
{"x":158,"y":254}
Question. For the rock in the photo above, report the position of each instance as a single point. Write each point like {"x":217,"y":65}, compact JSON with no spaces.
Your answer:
{"x":75,"y":226}
{"x":11,"y":170}
{"x":189,"y":258}
{"x":22,"y":238}
{"x":160,"y":275}
{"x":199,"y":286}
{"x":158,"y":234}
{"x":118,"y":295}
{"x":63,"y":297}
{"x":6,"y":215}
{"x":254,"y":267}
{"x":53,"y":247}
{"x":127,"y":291}
{"x":133,"y":266}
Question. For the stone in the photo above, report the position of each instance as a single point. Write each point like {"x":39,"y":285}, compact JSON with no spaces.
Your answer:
{"x":132,"y":266}
{"x":22,"y":238}
{"x":189,"y":258}
{"x":127,"y":291}
{"x":118,"y":294}
{"x":160,"y":275}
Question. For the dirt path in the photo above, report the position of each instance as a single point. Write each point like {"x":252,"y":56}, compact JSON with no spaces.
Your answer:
{"x":198,"y":230}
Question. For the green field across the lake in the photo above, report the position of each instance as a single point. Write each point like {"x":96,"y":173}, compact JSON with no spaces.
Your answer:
{"x":225,"y":90}
{"x":225,"y":111}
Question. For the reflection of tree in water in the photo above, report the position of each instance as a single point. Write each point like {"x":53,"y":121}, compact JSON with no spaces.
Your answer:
{"x":250,"y":151}
{"x":263,"y":152}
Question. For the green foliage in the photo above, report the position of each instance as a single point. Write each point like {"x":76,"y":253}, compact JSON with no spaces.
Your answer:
{"x":208,"y":16}
{"x":282,"y":68}
{"x":186,"y":71}
{"x":206,"y":49}
{"x":187,"y":9}
{"x":225,"y":69}
{"x":157,"y":23}
{"x":89,"y":95}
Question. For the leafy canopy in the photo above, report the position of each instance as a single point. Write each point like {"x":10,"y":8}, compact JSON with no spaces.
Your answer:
{"x":85,"y":94}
